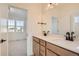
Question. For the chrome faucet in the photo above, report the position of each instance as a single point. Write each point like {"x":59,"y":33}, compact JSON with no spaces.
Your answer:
{"x":70,"y":36}
{"x":67,"y":35}
{"x":45,"y":33}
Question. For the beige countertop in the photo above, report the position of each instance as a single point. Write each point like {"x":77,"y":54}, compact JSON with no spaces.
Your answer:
{"x":60,"y":41}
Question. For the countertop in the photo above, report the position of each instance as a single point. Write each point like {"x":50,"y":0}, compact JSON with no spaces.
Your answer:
{"x":60,"y":40}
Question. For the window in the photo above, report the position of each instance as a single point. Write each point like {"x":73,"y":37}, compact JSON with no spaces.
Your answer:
{"x":18,"y":16}
{"x":15,"y":25}
{"x":19,"y":25}
{"x":11,"y":25}
{"x":3,"y":25}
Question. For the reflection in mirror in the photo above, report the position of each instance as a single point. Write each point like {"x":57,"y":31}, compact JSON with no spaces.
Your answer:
{"x":75,"y":25}
{"x":54,"y":24}
{"x":61,"y":19}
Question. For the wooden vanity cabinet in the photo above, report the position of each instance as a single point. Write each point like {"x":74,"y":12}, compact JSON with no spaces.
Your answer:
{"x":50,"y":53}
{"x":59,"y":50}
{"x":38,"y":47}
{"x":36,"y":39}
{"x":35,"y":46}
{"x":42,"y":42}
{"x":44,"y":48}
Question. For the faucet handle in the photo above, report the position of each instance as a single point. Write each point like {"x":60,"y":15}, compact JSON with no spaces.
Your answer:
{"x":74,"y":36}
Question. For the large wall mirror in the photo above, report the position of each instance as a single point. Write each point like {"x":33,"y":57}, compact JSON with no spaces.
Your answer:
{"x":59,"y":20}
{"x":51,"y":25}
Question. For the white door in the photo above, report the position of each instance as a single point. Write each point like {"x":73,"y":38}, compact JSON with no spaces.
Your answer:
{"x":3,"y":29}
{"x":13,"y":33}
{"x":4,"y":44}
{"x":3,"y":37}
{"x":17,"y":43}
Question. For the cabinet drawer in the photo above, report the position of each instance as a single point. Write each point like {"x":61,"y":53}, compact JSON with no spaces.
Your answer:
{"x":50,"y":53}
{"x":59,"y":50}
{"x":42,"y":42}
{"x":42,"y":50}
{"x":36,"y":39}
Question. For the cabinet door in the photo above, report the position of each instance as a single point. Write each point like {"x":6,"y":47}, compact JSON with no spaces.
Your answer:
{"x":42,"y":50}
{"x":36,"y":39}
{"x":35,"y":48}
{"x":50,"y":53}
{"x":42,"y":42}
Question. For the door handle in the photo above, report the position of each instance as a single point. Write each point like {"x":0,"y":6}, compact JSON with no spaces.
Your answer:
{"x":2,"y":40}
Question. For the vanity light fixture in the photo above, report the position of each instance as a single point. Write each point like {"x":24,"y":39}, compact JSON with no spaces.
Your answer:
{"x":42,"y":23}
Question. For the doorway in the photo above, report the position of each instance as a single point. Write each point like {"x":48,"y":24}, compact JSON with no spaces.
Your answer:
{"x":13,"y":40}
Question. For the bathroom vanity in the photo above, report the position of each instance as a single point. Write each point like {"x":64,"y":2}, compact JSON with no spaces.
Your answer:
{"x":58,"y":21}
{"x":54,"y":45}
